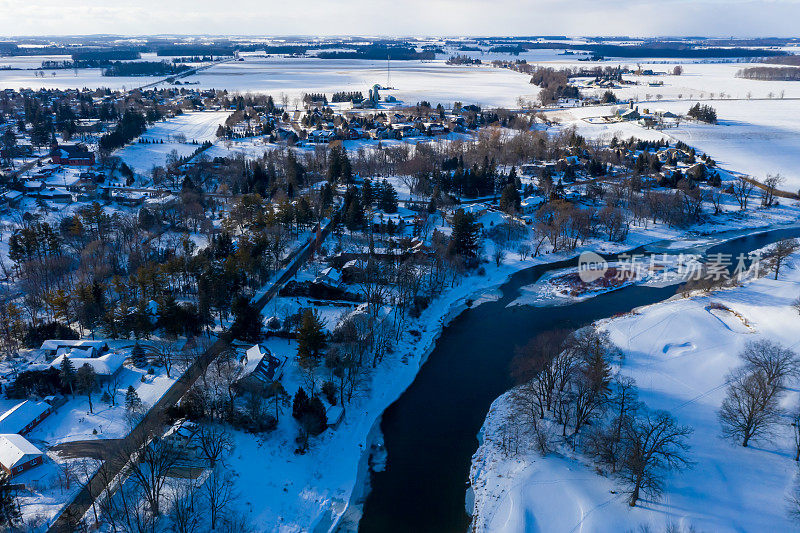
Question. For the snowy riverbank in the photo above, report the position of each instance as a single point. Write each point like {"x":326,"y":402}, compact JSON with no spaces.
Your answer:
{"x":679,"y":352}
{"x":322,"y":490}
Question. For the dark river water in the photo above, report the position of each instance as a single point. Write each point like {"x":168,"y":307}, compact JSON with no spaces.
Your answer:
{"x":430,"y":432}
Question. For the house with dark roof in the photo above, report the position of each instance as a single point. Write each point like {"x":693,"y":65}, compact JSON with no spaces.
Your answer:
{"x":261,"y":365}
{"x":72,"y":155}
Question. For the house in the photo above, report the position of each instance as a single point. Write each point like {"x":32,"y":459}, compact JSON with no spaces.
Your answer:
{"x":54,"y":194}
{"x":329,"y":276}
{"x":321,"y":136}
{"x":129,"y":198}
{"x":11,"y":198}
{"x":181,"y":437}
{"x":21,"y":416}
{"x":531,"y":204}
{"x":17,"y":455}
{"x":72,"y":155}
{"x":261,"y":365}
{"x":630,"y":114}
{"x":56,"y":347}
{"x":32,"y":187}
{"x":105,"y":366}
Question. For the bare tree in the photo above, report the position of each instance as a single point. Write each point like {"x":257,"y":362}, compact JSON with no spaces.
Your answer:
{"x":219,"y":493}
{"x":604,"y":442}
{"x":499,"y":255}
{"x":777,"y":363}
{"x":796,"y":432}
{"x":750,"y":408}
{"x":150,"y":468}
{"x":781,"y":252}
{"x":184,"y":512}
{"x":589,"y":385}
{"x":111,"y":386}
{"x":524,"y":251}
{"x":771,"y":184}
{"x":164,"y":352}
{"x":215,"y":443}
{"x":742,"y":189}
{"x":653,"y":444}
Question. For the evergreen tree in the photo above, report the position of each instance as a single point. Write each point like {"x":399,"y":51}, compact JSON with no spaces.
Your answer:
{"x":388,"y":198}
{"x":510,"y":200}
{"x":354,"y":217}
{"x":67,"y":375}
{"x":316,"y":420}
{"x":9,"y":510}
{"x":132,"y":401}
{"x":86,"y":380}
{"x":464,"y":240}
{"x":247,"y":320}
{"x":300,"y":404}
{"x":138,"y":357}
{"x":310,"y":338}
{"x":367,"y":193}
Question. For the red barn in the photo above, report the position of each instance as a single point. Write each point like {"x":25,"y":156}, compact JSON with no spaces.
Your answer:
{"x":18,"y":455}
{"x":76,"y":155}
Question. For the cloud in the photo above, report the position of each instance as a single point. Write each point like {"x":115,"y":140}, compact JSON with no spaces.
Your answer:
{"x":402,"y":17}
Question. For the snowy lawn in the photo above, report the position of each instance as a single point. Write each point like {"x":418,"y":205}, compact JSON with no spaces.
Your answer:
{"x":197,"y":126}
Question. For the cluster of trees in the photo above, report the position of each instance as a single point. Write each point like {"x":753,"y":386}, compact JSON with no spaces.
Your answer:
{"x":770,"y":73}
{"x":149,"y":492}
{"x":379,"y":52}
{"x":703,"y":113}
{"x":382,"y":194}
{"x":130,"y":125}
{"x":459,"y":59}
{"x":565,"y":380}
{"x":554,"y":84}
{"x":347,"y":96}
{"x":315,"y":98}
{"x":143,"y":68}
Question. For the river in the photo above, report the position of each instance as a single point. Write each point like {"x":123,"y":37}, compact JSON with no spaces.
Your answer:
{"x":430,"y":432}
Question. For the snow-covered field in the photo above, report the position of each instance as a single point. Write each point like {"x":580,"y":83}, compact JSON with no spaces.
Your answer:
{"x":197,"y":126}
{"x":679,"y":353}
{"x":68,"y":79}
{"x":414,"y":80}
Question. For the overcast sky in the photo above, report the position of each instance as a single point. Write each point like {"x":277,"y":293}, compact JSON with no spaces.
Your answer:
{"x":402,"y":17}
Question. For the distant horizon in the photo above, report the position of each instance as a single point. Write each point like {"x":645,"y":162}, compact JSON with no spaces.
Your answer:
{"x":399,"y":36}
{"x":477,"y":18}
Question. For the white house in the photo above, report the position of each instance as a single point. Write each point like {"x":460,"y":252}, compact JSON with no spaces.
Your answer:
{"x":329,"y":276}
{"x":56,"y":347}
{"x":104,"y":366}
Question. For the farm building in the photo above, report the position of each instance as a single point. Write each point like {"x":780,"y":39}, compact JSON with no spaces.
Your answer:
{"x":72,"y":155}
{"x":21,"y":416}
{"x":18,"y":455}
